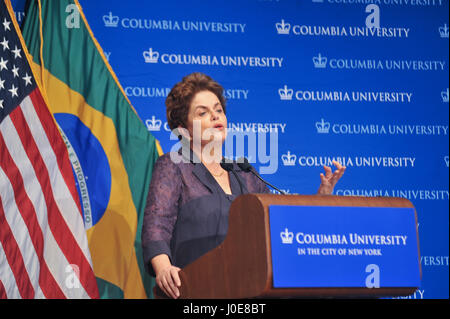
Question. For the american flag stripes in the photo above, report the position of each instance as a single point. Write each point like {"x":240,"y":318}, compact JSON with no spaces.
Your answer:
{"x":43,"y":246}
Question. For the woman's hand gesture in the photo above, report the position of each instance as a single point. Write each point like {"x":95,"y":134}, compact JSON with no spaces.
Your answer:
{"x":330,"y":179}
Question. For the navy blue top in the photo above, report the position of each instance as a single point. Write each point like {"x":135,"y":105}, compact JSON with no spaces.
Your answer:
{"x":186,"y":214}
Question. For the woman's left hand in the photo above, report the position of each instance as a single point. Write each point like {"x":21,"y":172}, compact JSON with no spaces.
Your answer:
{"x":330,"y":179}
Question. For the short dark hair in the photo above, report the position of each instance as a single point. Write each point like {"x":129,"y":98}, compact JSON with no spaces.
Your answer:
{"x":180,"y":97}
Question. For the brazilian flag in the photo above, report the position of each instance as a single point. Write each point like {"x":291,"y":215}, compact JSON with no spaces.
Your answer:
{"x":111,"y":151}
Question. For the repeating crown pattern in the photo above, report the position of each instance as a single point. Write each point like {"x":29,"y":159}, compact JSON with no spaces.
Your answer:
{"x":320,"y":62}
{"x":445,"y":96}
{"x":289,"y":159}
{"x":153,"y":124}
{"x":150,"y":56}
{"x":283,"y":27}
{"x":110,"y":20}
{"x":443,"y":31}
{"x":285,"y":93}
{"x":323,"y":127}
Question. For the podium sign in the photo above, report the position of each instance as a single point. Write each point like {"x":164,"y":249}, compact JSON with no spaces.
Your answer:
{"x":320,"y":246}
{"x":287,"y":246}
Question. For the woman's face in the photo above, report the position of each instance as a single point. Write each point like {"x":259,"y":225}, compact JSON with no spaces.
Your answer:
{"x":206,"y":117}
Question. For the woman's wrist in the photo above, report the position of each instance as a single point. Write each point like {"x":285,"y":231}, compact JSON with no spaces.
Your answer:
{"x":160,"y":262}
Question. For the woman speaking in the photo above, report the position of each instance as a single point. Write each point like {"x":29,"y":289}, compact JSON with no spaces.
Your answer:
{"x":190,"y":194}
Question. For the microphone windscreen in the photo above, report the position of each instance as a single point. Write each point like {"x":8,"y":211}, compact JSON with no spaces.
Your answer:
{"x":244,"y":164}
{"x":226,"y":166}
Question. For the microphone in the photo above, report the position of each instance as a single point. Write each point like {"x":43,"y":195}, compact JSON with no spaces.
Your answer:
{"x":246,"y":167}
{"x":229,"y":168}
{"x":226,"y":166}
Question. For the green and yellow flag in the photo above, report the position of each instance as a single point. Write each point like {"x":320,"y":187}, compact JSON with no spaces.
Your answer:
{"x":111,"y":151}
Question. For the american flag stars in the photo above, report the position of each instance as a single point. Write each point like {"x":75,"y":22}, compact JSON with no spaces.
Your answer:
{"x":3,"y":64}
{"x":4,"y":43}
{"x":15,"y":74}
{"x":6,"y":24}
{"x":16,"y":52}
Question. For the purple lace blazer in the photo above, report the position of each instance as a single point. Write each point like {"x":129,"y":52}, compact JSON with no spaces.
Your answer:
{"x":186,"y":214}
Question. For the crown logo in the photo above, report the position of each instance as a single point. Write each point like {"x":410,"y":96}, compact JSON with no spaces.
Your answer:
{"x":289,"y":159}
{"x":153,"y":124}
{"x":285,"y":93}
{"x":110,"y":20}
{"x":443,"y":31}
{"x":445,"y":95}
{"x":323,"y":127}
{"x":446,"y":160}
{"x":320,"y":62}
{"x":283,"y":28}
{"x":286,"y":236}
{"x":150,"y":56}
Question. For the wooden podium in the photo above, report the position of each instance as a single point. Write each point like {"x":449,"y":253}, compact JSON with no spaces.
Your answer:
{"x":241,"y":267}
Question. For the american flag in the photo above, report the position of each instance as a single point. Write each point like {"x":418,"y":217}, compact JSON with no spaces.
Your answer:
{"x":43,"y":245}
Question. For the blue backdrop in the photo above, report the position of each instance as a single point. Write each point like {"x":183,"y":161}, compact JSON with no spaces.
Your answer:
{"x":361,"y":81}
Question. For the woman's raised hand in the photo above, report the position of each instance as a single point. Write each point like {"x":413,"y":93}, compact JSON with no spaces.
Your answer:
{"x":330,"y":179}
